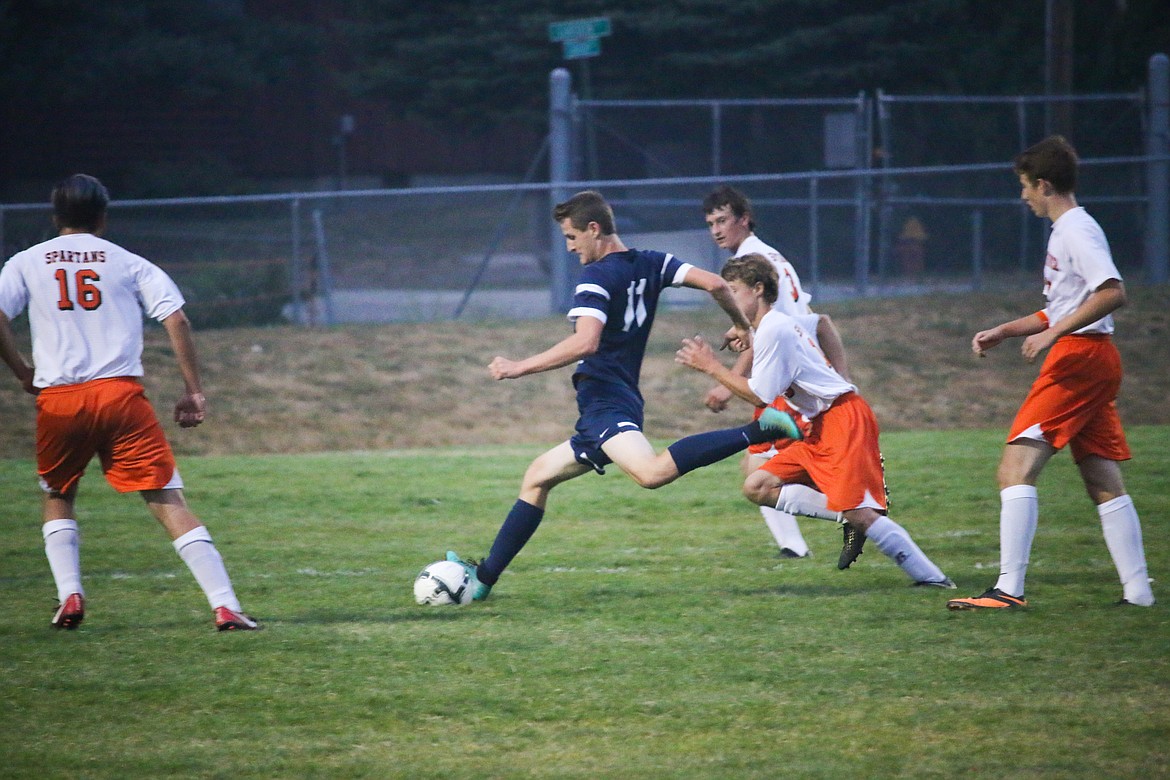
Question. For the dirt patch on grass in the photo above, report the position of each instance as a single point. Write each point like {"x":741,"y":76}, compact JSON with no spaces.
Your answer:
{"x":398,"y":386}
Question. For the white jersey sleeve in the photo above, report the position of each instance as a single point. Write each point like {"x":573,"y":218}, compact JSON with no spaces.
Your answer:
{"x":788,"y":362}
{"x":1078,"y":262}
{"x":791,"y":298}
{"x":85,"y":297}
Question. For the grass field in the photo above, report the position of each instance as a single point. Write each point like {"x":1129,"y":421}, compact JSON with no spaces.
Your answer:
{"x":664,"y":639}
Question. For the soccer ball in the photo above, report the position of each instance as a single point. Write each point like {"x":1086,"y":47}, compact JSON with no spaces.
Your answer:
{"x":442,"y":582}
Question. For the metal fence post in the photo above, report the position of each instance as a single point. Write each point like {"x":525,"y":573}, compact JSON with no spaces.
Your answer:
{"x":977,"y":249}
{"x":1025,"y":215}
{"x":814,"y":248}
{"x":862,"y":204}
{"x":324,"y":285}
{"x":887,"y":189}
{"x":559,"y":171}
{"x":295,"y":268}
{"x":716,"y":138}
{"x":1157,"y":260}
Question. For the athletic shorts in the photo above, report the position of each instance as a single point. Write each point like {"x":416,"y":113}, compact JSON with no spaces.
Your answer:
{"x":1073,"y":400}
{"x":604,"y":410}
{"x":110,"y":418}
{"x":839,"y":456}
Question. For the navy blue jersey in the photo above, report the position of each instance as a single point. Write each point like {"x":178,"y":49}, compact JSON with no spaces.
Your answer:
{"x":621,"y":289}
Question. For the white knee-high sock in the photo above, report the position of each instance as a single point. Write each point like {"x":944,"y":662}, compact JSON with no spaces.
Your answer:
{"x":198,"y":552}
{"x":893,"y":540}
{"x":802,"y":500}
{"x":1123,"y":537}
{"x":784,"y":530}
{"x":63,"y":549}
{"x":1018,"y":513}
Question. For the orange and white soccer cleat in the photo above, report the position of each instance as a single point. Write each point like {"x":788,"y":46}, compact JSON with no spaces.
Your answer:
{"x":992,"y":598}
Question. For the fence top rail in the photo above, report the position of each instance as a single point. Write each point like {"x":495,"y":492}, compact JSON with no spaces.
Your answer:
{"x":713,"y":102}
{"x":583,"y":184}
{"x":1137,"y":97}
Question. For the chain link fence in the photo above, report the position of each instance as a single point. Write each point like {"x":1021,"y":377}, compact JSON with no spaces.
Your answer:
{"x":864,"y":196}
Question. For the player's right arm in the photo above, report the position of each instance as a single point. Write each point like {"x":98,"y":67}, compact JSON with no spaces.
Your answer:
{"x":717,"y":397}
{"x":583,"y":342}
{"x":10,"y":354}
{"x":697,"y":354}
{"x":992,"y":337}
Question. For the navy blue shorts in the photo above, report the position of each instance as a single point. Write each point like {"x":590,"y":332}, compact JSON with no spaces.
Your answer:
{"x":604,"y":410}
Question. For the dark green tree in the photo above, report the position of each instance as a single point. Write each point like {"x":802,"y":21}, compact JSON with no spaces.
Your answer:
{"x":62,"y":52}
{"x":480,"y":63}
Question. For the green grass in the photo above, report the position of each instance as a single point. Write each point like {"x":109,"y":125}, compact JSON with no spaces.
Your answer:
{"x":640,"y":634}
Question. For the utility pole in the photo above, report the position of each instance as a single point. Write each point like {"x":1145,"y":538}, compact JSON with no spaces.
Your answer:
{"x":1058,"y":65}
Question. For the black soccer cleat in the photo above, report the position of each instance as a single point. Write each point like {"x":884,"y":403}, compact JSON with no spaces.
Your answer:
{"x":854,"y":540}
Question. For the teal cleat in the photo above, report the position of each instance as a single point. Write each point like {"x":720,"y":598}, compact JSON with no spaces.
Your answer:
{"x":479,"y":590}
{"x":780,"y":423}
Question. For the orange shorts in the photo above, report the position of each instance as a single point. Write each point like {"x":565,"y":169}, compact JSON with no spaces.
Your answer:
{"x":1073,"y":400}
{"x":839,"y":456}
{"x":110,"y":418}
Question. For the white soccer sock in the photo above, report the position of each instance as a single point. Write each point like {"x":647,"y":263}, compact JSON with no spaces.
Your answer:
{"x":63,"y":549}
{"x":893,"y":540}
{"x":784,"y":530}
{"x":1123,"y":537}
{"x":198,"y":552}
{"x":1019,"y":510}
{"x":799,"y":499}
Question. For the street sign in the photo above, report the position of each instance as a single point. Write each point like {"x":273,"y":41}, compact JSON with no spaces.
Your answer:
{"x":579,"y":48}
{"x":578,"y":29}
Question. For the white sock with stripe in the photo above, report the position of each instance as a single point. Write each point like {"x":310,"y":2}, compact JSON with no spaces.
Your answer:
{"x":1018,"y":514}
{"x":895,"y":542}
{"x":1123,"y":537}
{"x":63,"y":549}
{"x":784,"y":530}
{"x":203,"y":559}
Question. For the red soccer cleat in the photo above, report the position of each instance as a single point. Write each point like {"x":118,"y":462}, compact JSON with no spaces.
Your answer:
{"x":230,"y":620}
{"x":70,"y":613}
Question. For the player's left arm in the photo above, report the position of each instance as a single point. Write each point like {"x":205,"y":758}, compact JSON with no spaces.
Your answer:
{"x":584,"y":341}
{"x":717,"y":288}
{"x":830,"y":342}
{"x":191,"y":408}
{"x":1106,"y":299}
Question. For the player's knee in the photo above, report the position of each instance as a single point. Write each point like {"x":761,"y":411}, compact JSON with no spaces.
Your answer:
{"x":653,"y":474}
{"x":758,"y":489}
{"x":650,"y":480}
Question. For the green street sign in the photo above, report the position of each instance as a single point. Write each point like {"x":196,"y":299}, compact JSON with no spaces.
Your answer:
{"x":579,"y":48}
{"x":578,"y":29}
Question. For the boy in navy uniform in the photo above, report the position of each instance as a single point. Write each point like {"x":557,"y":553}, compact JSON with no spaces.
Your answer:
{"x":613,"y":311}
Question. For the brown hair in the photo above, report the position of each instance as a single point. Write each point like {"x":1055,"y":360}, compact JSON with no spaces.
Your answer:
{"x":726,"y":195}
{"x":586,"y":207}
{"x":1054,"y":160}
{"x":753,"y":269}
{"x":79,"y":202}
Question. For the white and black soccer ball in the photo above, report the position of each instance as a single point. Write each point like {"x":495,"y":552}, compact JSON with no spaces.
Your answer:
{"x":442,"y":582}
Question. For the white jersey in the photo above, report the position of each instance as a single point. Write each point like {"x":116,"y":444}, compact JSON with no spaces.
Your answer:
{"x":792,"y":299}
{"x":787,"y":362}
{"x":85,"y":298}
{"x":1078,"y":262}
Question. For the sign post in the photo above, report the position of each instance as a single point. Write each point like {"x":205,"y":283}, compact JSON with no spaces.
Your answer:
{"x":580,"y":39}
